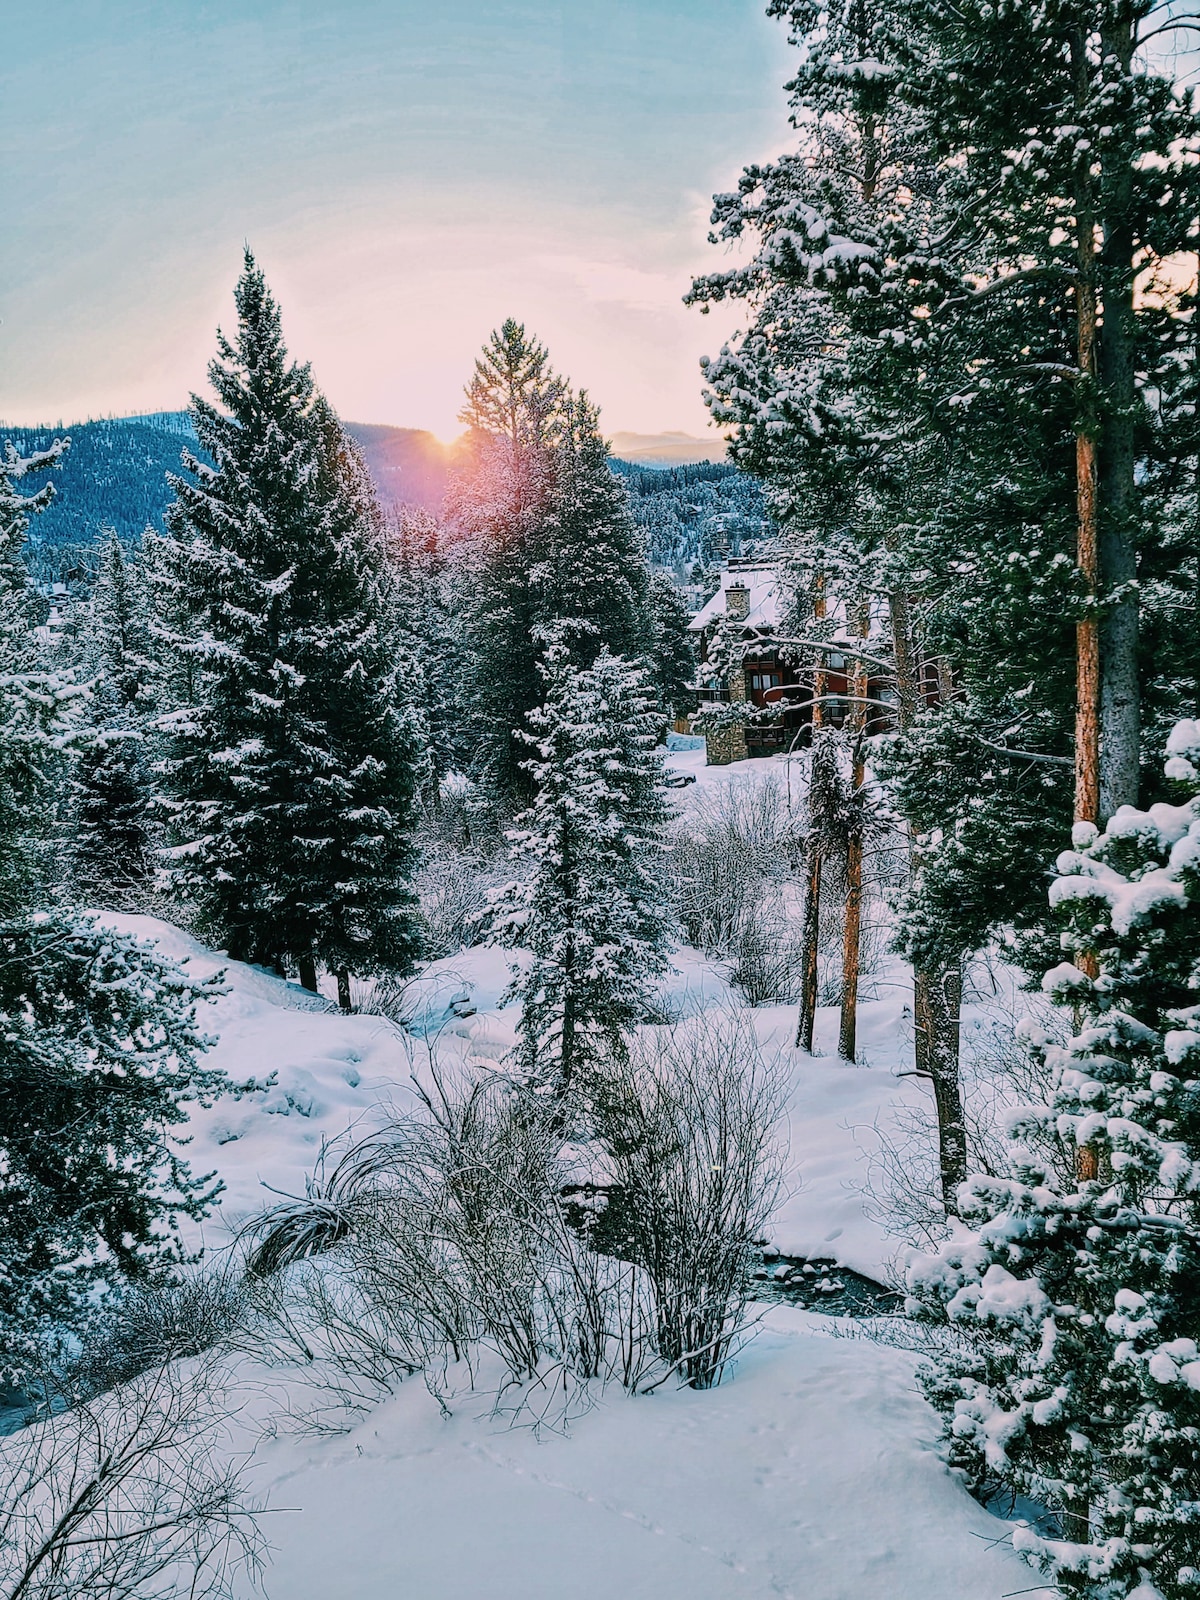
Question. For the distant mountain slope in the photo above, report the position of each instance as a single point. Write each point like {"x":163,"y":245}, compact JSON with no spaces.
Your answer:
{"x":667,"y":449}
{"x":702,"y":512}
{"x":115,"y":474}
{"x":409,"y":465}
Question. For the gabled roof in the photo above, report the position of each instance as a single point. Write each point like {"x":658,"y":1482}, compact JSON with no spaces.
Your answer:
{"x":761,"y":581}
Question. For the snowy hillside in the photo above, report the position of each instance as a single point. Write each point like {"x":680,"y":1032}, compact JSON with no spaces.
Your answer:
{"x":811,"y":1472}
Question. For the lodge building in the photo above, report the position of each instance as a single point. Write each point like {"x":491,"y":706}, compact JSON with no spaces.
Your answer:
{"x":764,"y":682}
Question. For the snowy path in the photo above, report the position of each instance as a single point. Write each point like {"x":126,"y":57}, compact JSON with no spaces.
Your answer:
{"x":811,"y":1475}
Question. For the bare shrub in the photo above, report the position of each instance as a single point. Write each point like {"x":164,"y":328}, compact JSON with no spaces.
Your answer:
{"x":130,"y":1493}
{"x":688,"y":1122}
{"x":764,"y":951}
{"x":150,"y":1324}
{"x":465,"y":1228}
{"x":998,"y":1073}
{"x":732,"y":842}
{"x":447,"y":1232}
{"x":452,"y":887}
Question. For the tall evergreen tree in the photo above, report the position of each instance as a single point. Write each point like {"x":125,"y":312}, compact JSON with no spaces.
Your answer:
{"x":671,"y":653}
{"x":590,"y":910}
{"x":1077,"y":184}
{"x":37,"y":716}
{"x":590,"y":566}
{"x":550,"y":539}
{"x":291,"y":761}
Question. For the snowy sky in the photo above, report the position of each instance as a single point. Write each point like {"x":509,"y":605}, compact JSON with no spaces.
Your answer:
{"x":409,"y":172}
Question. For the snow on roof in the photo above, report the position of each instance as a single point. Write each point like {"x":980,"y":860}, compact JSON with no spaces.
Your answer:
{"x":762,"y":583}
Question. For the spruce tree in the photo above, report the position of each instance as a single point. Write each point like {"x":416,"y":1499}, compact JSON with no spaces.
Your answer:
{"x":589,"y":566}
{"x":292,"y":756}
{"x":1073,"y":1374}
{"x":1078,"y":186}
{"x":672,"y":654}
{"x":37,"y":708}
{"x":500,"y":502}
{"x":549,"y":539}
{"x":590,"y":907}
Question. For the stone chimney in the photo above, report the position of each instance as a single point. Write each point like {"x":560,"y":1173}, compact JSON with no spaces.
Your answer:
{"x":737,"y":602}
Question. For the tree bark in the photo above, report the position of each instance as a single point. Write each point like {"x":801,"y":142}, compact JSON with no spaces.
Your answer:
{"x":937,"y":994}
{"x":810,"y":927}
{"x":809,"y":941}
{"x":308,"y":972}
{"x":1120,"y":693}
{"x":848,"y":1026}
{"x":1087,"y":541}
{"x":937,"y":1006}
{"x":343,"y":983}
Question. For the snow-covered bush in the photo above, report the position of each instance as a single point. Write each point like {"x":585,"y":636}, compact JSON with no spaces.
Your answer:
{"x":1077,"y":1380}
{"x":688,"y":1123}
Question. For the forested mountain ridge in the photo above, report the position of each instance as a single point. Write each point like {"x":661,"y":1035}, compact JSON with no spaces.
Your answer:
{"x":115,"y":475}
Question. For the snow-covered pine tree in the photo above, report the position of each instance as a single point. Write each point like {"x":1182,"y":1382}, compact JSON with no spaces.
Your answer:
{"x":99,"y":1047}
{"x":1074,"y":1374}
{"x":428,"y":597}
{"x":36,"y":710}
{"x":590,"y":910}
{"x":828,"y":390}
{"x":549,"y":537}
{"x":351,"y":811}
{"x":671,"y":651}
{"x":589,"y":565}
{"x":291,"y":759}
{"x":1079,"y":185}
{"x":112,"y":789}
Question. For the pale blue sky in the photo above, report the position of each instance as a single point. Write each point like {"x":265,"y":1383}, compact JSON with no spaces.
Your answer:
{"x":408,"y":171}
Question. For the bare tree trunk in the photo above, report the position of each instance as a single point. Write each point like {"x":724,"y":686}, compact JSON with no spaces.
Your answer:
{"x":905,"y":660}
{"x":343,"y":983}
{"x":937,"y":994}
{"x":848,"y":1028}
{"x":809,"y":941}
{"x":810,"y":927}
{"x":1087,"y":552}
{"x":937,"y":1005}
{"x":308,"y":972}
{"x":1120,"y":691}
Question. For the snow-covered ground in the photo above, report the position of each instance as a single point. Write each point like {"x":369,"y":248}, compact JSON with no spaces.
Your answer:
{"x":811,"y":1475}
{"x":811,"y":1472}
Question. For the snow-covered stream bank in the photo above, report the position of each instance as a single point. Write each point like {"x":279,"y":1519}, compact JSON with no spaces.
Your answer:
{"x":811,"y":1472}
